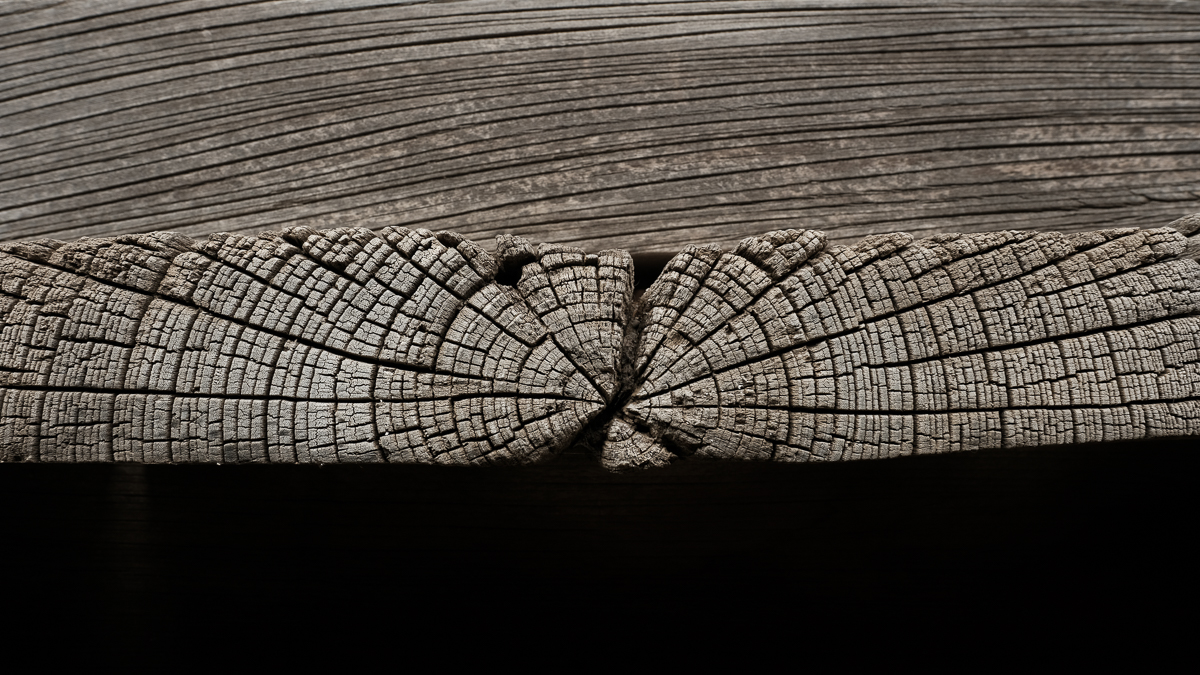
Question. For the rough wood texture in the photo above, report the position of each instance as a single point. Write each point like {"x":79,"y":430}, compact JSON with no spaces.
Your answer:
{"x":857,"y":119}
{"x":337,"y":346}
{"x":782,"y":350}
{"x":642,"y":126}
{"x":418,"y":347}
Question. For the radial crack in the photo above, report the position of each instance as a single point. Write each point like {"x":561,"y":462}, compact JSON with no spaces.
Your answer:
{"x":348,"y":345}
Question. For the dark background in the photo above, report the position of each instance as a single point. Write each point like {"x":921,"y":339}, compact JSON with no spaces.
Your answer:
{"x":1088,"y":543}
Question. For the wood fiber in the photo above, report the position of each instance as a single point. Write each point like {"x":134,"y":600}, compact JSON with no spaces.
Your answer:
{"x":412,"y":346}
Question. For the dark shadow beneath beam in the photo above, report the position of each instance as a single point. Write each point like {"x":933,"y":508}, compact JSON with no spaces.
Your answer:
{"x":138,"y":557}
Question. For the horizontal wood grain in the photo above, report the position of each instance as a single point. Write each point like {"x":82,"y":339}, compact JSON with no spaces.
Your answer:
{"x":642,"y":126}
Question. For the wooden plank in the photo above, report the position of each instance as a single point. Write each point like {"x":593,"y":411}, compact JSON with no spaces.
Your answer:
{"x":410,"y":346}
{"x":490,"y":118}
{"x":608,"y":125}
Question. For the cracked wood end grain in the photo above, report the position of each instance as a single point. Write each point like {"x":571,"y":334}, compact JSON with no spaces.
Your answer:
{"x":411,"y":346}
{"x":303,"y":346}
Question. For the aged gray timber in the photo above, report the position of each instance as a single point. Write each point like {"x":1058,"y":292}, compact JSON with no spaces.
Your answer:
{"x":303,"y":346}
{"x":641,"y":126}
{"x":411,"y":346}
{"x":787,"y":350}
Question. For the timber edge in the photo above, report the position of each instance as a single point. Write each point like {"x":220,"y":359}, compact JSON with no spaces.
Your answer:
{"x":349,"y":345}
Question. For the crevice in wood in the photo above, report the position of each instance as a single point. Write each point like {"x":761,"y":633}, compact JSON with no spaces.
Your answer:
{"x":744,"y":354}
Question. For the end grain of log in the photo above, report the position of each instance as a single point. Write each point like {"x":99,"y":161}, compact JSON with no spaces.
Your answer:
{"x":348,"y":345}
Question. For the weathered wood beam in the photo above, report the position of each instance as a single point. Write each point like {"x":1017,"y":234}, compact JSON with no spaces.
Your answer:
{"x":642,"y":126}
{"x":411,"y":346}
{"x":647,"y":127}
{"x":637,"y":126}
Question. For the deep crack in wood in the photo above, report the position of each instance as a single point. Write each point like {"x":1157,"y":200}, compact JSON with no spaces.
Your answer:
{"x":349,"y":345}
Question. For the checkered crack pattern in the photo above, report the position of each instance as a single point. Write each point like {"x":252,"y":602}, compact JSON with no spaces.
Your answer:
{"x":412,"y":346}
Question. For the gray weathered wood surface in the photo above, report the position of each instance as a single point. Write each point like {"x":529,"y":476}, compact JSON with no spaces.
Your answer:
{"x":790,"y":351}
{"x":412,"y":346}
{"x":305,"y":346}
{"x":643,"y":126}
